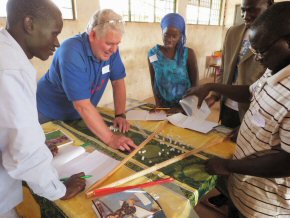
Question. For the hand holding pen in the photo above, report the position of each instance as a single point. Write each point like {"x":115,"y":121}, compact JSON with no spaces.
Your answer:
{"x":74,"y":185}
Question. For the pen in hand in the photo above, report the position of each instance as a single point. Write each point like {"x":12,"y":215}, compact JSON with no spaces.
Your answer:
{"x":83,"y":177}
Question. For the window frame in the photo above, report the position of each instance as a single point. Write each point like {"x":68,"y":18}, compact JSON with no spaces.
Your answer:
{"x":210,"y":14}
{"x":73,"y":4}
{"x":129,"y":12}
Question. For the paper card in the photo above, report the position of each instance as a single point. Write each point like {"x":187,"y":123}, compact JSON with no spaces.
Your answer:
{"x":106,"y":69}
{"x":145,"y":115}
{"x":57,"y":138}
{"x":189,"y":105}
{"x":153,"y":58}
{"x":192,"y":123}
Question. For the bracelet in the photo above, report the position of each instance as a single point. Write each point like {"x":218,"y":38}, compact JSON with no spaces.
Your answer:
{"x":120,"y":115}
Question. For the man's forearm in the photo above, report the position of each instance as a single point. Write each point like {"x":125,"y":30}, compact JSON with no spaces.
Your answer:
{"x":93,"y":120}
{"x":239,"y":93}
{"x":119,"y":95}
{"x":273,"y":165}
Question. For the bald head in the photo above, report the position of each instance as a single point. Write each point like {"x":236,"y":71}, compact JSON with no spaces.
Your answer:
{"x":17,"y":10}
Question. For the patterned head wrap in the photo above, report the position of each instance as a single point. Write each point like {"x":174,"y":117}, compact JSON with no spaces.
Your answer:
{"x":175,"y":20}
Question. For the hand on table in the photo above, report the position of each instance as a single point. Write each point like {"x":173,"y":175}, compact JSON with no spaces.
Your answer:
{"x":74,"y":185}
{"x":121,"y":142}
{"x":217,"y":166}
{"x":122,"y":124}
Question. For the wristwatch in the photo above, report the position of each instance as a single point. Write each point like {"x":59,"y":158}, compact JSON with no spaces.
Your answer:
{"x":123,"y":115}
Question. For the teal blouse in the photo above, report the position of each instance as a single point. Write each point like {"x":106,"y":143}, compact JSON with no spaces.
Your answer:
{"x":171,"y":79}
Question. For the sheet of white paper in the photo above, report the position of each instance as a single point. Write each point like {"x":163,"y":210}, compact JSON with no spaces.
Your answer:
{"x":96,"y":164}
{"x":136,"y":115}
{"x":189,"y":105}
{"x":161,"y":115}
{"x":203,"y":126}
{"x":192,"y":123}
{"x":177,"y":119}
{"x":145,"y":115}
{"x":67,"y":153}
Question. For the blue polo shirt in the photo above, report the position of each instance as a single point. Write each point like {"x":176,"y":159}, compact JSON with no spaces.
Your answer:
{"x":75,"y":74}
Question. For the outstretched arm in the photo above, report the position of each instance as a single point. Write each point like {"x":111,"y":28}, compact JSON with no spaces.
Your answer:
{"x":239,"y":93}
{"x":119,"y":94}
{"x":273,"y":165}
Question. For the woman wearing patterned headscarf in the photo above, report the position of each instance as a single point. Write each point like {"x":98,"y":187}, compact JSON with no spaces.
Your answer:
{"x":173,"y":67}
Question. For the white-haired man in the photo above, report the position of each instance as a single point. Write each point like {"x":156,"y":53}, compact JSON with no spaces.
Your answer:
{"x":78,"y":76}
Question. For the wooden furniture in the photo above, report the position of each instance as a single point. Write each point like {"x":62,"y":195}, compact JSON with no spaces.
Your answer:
{"x":191,"y":182}
{"x":212,"y":66}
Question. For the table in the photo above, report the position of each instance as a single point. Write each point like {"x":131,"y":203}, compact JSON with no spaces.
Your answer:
{"x":190,"y":177}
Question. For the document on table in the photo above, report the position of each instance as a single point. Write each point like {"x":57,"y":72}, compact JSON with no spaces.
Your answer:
{"x":75,"y":159}
{"x":66,"y":153}
{"x":189,"y":105}
{"x":145,"y":115}
{"x":192,"y":123}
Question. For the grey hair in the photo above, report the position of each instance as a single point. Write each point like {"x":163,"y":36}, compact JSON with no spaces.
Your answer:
{"x":100,"y":22}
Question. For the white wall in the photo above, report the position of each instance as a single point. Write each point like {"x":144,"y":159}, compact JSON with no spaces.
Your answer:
{"x":138,"y":39}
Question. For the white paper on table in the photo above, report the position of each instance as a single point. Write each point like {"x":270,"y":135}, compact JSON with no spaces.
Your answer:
{"x":96,"y":164}
{"x":66,"y":153}
{"x":189,"y":105}
{"x":192,"y":123}
{"x":145,"y":115}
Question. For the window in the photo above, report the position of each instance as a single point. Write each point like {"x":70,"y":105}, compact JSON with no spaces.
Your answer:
{"x":66,"y":7}
{"x":204,"y":12}
{"x":140,"y":10}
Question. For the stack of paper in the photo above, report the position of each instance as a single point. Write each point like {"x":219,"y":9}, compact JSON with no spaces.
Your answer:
{"x":195,"y":119}
{"x":192,"y":123}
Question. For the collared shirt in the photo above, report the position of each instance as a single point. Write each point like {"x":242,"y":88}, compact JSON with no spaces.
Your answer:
{"x":75,"y":74}
{"x":23,"y":154}
{"x":266,"y":124}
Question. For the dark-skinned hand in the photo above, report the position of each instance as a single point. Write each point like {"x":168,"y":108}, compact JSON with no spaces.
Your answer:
{"x":74,"y":185}
{"x":217,"y":166}
{"x":201,"y":92}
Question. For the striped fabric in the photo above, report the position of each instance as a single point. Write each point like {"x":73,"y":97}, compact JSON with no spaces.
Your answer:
{"x":266,"y":124}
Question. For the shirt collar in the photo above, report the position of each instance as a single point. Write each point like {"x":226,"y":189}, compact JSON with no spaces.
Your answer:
{"x":11,"y":41}
{"x":280,"y":75}
{"x":88,"y":48}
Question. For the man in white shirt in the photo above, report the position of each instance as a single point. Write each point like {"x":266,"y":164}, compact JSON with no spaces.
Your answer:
{"x":31,"y":31}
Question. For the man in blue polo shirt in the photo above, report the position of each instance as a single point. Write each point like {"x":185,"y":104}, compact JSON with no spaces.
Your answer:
{"x":78,"y":76}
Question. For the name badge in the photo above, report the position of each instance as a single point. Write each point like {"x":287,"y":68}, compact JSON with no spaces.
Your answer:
{"x":106,"y":69}
{"x":258,"y":119}
{"x":153,"y":58}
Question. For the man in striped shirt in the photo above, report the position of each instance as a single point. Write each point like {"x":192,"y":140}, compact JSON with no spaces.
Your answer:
{"x":259,"y":174}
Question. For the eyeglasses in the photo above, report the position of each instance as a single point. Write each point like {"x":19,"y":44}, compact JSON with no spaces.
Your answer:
{"x":112,"y":22}
{"x":261,"y":54}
